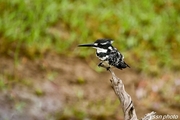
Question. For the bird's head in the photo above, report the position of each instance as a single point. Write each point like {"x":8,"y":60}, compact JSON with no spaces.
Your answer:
{"x":99,"y":44}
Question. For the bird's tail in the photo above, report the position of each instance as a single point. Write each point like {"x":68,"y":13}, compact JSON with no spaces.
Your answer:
{"x":126,"y":65}
{"x":122,"y":65}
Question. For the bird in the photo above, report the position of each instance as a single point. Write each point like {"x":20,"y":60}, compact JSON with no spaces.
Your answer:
{"x":108,"y":55}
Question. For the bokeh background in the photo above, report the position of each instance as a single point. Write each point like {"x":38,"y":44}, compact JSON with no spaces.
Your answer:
{"x":44,"y":76}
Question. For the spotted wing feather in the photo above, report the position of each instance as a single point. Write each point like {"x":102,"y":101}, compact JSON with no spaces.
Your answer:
{"x":116,"y":59}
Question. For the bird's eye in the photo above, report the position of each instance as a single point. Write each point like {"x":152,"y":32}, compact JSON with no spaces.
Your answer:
{"x":95,"y":44}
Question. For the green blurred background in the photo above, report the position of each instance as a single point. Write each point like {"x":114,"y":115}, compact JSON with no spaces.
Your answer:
{"x":147,"y":32}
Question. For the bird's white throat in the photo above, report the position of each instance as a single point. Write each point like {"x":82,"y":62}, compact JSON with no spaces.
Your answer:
{"x":101,"y":50}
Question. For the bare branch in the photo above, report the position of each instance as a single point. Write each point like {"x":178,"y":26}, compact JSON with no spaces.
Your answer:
{"x":125,"y":99}
{"x":149,"y":116}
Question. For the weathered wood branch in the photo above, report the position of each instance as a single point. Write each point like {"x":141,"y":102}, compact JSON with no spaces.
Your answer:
{"x":149,"y":116}
{"x":125,"y":99}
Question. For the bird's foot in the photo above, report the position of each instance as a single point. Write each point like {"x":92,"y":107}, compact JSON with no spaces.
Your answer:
{"x":100,"y":64}
{"x":107,"y":68}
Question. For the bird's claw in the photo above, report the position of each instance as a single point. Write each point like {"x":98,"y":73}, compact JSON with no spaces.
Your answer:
{"x":100,"y":64}
{"x":108,"y":68}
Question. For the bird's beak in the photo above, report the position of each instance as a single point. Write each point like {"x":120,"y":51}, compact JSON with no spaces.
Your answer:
{"x":87,"y":45}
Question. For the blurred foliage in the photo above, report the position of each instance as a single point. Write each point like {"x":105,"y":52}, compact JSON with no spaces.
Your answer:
{"x":146,"y":32}
{"x":9,"y":81}
{"x":91,"y":110}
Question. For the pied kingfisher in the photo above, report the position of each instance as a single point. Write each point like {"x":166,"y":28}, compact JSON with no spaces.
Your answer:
{"x":108,"y":54}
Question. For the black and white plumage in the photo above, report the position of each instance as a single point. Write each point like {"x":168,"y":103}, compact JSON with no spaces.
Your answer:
{"x":108,"y":54}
